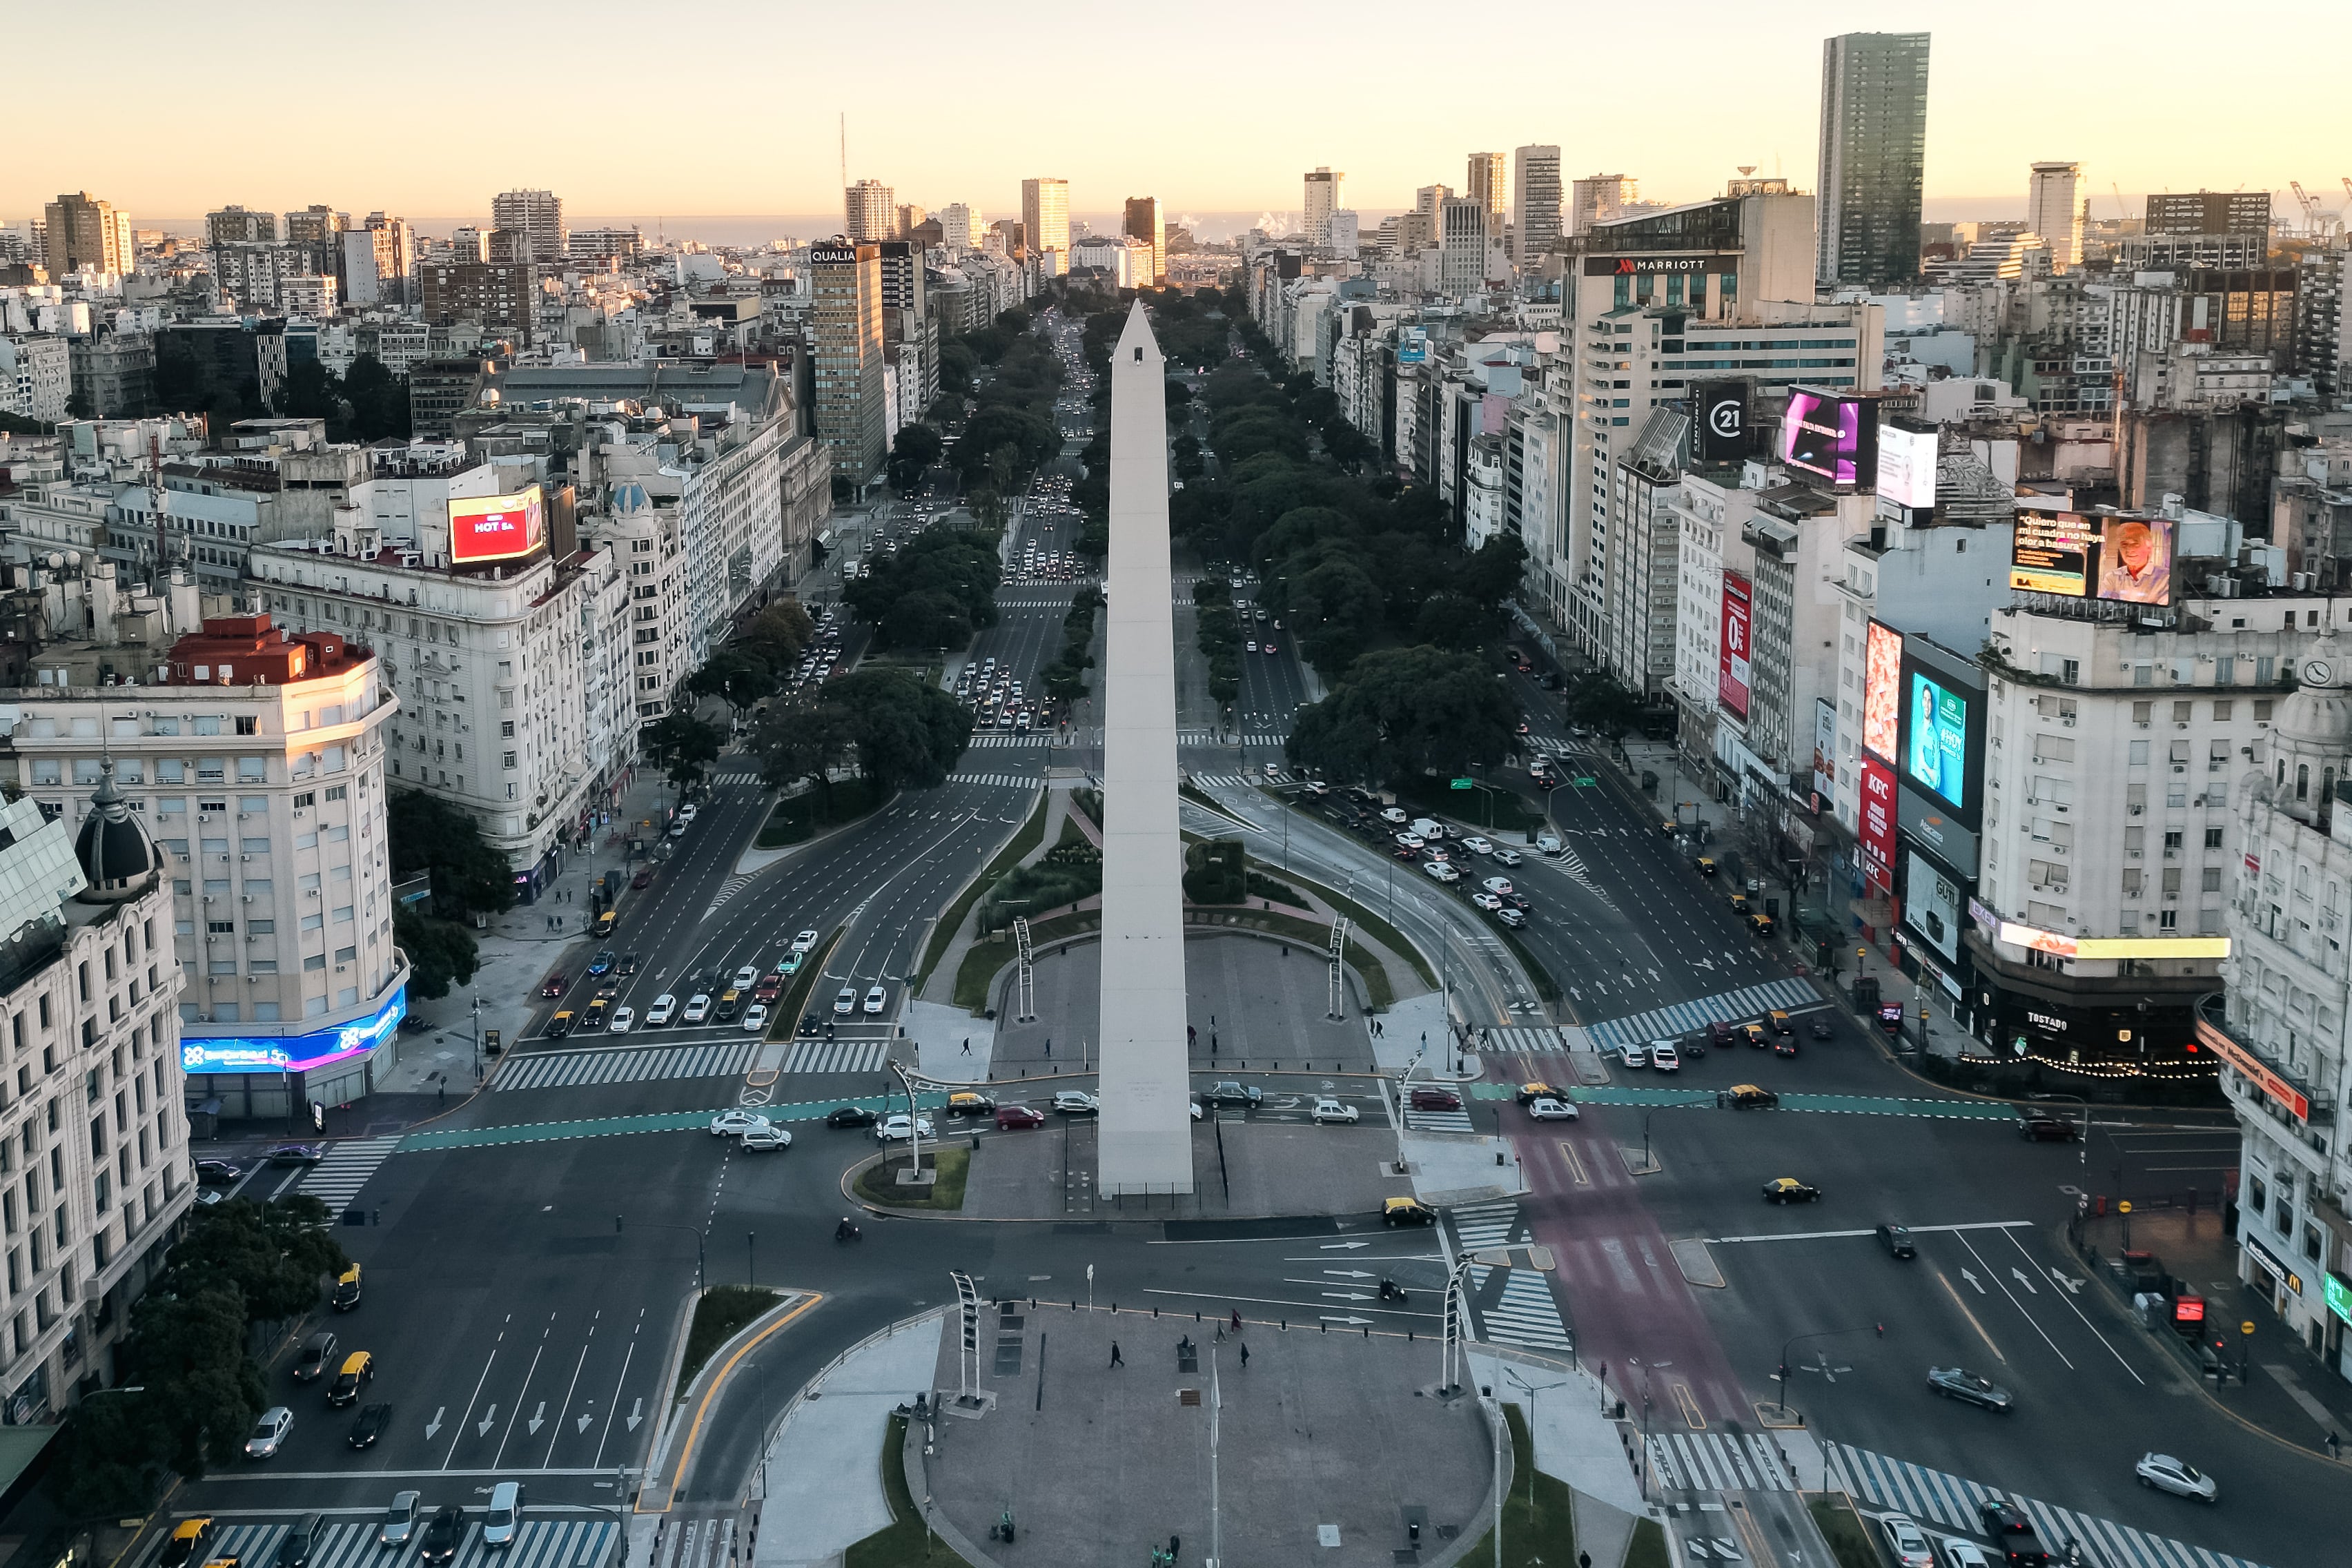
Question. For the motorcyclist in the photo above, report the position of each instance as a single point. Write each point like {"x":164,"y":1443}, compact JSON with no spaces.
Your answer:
{"x":845,"y":1231}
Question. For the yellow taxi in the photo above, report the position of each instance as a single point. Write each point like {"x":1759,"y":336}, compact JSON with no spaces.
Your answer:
{"x":1532,"y":1092}
{"x":190,"y":1539}
{"x":1407,"y":1211}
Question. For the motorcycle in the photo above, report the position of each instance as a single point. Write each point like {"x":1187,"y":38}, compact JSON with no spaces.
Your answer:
{"x":845,"y":1231}
{"x":1392,"y":1291}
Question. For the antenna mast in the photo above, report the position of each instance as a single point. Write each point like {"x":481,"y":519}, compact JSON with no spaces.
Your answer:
{"x":156,"y":502}
{"x":845,"y":160}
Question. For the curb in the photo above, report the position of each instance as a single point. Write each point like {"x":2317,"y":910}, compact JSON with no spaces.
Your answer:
{"x":712,"y":1380}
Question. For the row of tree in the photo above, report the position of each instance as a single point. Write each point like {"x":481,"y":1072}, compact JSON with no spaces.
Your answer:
{"x":936,"y":590}
{"x":1065,"y":679}
{"x":1217,"y":631}
{"x":897,"y":731}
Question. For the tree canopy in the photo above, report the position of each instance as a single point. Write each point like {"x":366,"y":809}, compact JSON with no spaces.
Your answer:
{"x":428,"y":833}
{"x":1400,"y":713}
{"x":682,"y":745}
{"x":935,"y":591}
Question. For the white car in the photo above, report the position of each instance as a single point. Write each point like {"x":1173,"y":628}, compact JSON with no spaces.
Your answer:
{"x":1908,"y":1541}
{"x":1665,"y":1056}
{"x":270,"y":1433}
{"x":1329,"y":1109}
{"x":688,"y":812}
{"x":875,"y":1000}
{"x":893,"y":1129}
{"x":1395,"y":814}
{"x":1075,"y":1103}
{"x":1486,"y":901}
{"x":1507,"y":856}
{"x":1635,"y":1056}
{"x":803,"y":941}
{"x":1441,"y":870}
{"x":1478,"y":845}
{"x":1547,"y":843}
{"x":1498,"y":886}
{"x":747,"y":977}
{"x":664,"y":1009}
{"x":2179,"y":1477}
{"x":845,"y":1002}
{"x":1961,"y":1554}
{"x":756,"y":1018}
{"x":697,"y":1007}
{"x":624,"y":1020}
{"x":1411,"y":841}
{"x":735,"y":1123}
{"x":1547,"y":1109}
{"x":760,"y":1138}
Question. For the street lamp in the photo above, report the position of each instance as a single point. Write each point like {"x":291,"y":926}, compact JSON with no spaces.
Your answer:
{"x":1531,"y":1390}
{"x":1782,"y":1375}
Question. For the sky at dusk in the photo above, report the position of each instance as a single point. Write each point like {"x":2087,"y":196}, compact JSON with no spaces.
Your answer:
{"x":731,"y":108}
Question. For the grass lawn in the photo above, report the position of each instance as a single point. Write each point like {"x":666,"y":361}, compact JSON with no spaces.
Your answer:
{"x":953,"y":1161}
{"x":718,"y":1318}
{"x":1648,"y":1547}
{"x":904,"y":1543}
{"x":799,"y":817}
{"x":1842,"y":1526}
{"x":1539,"y":1518}
{"x":1031,"y":834}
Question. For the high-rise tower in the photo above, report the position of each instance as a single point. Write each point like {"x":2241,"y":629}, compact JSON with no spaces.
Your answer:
{"x":1873,"y":156}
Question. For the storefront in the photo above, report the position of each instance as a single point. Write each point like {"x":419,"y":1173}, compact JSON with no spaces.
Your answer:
{"x":276,"y":1077}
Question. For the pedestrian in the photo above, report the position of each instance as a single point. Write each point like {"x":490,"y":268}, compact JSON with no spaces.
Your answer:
{"x":1244,"y":1355}
{"x":442,"y":1092}
{"x":1049,"y":1047}
{"x":1117,"y":1359}
{"x":1237,"y":1319}
{"x":2335,"y":1447}
{"x":967,"y":1044}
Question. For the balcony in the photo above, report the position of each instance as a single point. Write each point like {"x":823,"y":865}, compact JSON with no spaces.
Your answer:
{"x":2290,"y":1096}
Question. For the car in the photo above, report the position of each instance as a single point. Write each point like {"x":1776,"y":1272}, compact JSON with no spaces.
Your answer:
{"x":790,"y":965}
{"x":770,"y":987}
{"x":969,"y":1102}
{"x":1778,"y":1021}
{"x":643,"y":879}
{"x":851,"y":1116}
{"x":1441,"y":870}
{"x":1547,"y":843}
{"x":1486,"y":901}
{"x":1498,"y":886}
{"x":358,"y":1371}
{"x":553,"y":984}
{"x":1784,"y":1046}
{"x":664,"y":1009}
{"x":624,"y":1020}
{"x":1406,"y":1211}
{"x":1761,"y":923}
{"x":1755,"y":1036}
{"x":1230,"y":1091}
{"x":369,"y":1424}
{"x":593,"y":1019}
{"x":1550,"y":1109}
{"x":1326,"y":1109}
{"x":803,"y":941}
{"x":502,"y":1521}
{"x":1634,"y":1054}
{"x":755,"y":1017}
{"x":315,"y":1356}
{"x":745,"y":978}
{"x":1788,"y":1190}
{"x":1478,"y":845}
{"x":2013,"y":1540}
{"x":560,"y":1025}
{"x":1528,"y":1093}
{"x":760,"y":1138}
{"x":2178,"y":1477}
{"x":628,"y":963}
{"x":896,"y":1128}
{"x":346,"y":1293}
{"x":443,"y":1533}
{"x":1968,"y":1387}
{"x":1433,"y":1097}
{"x":875,"y":1000}
{"x":2039,"y":1127}
{"x":218,"y":1172}
{"x":189,"y":1542}
{"x":688,"y":812}
{"x":1896,"y":1239}
{"x":1819,"y":1029}
{"x":270,"y":1433}
{"x":845,"y":1002}
{"x":1512,"y":918}
{"x":1665,"y":1057}
{"x":297,"y":1155}
{"x":1749,"y":1097}
{"x":1907,"y":1542}
{"x":1395,"y":816}
{"x":398,"y":1526}
{"x":1960,"y":1554}
{"x":1075,"y":1103}
{"x":602,"y":963}
{"x":1412,"y":841}
{"x":736,"y":1122}
{"x":698,"y":1008}
{"x":301,"y":1541}
{"x":1015,"y":1118}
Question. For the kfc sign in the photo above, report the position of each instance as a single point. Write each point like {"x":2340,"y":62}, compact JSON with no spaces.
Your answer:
{"x":1877,"y":805}
{"x":494,"y":528}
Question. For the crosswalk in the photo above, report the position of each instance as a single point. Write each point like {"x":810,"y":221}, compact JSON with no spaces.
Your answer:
{"x":626,"y":1064}
{"x":1525,"y":1314}
{"x":539,"y":1544}
{"x":1437,"y":1122}
{"x":1666,"y":1022}
{"x":837,"y":1056}
{"x":998,"y":781}
{"x":1938,"y":1498}
{"x":1526,"y":1040}
{"x":1569,"y":860}
{"x":1014,"y":738}
{"x":1721,"y":1461}
{"x":336,"y":1179}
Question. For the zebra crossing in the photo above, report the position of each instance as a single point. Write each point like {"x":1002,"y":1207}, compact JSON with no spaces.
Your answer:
{"x":1012,"y":739}
{"x":1721,"y":1461}
{"x":726,"y":889}
{"x":837,"y":1056}
{"x":1525,"y":1040}
{"x":1526,"y":1313}
{"x":336,"y":1179}
{"x":1569,"y":860}
{"x":1939,"y":1497}
{"x":1437,"y":1121}
{"x":539,"y":1544}
{"x":626,"y":1064}
{"x":1665,"y":1023}
{"x":996,"y":781}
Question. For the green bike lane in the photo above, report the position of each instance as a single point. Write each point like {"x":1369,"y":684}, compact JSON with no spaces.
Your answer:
{"x":1835,"y":1104}
{"x":651,"y":1121}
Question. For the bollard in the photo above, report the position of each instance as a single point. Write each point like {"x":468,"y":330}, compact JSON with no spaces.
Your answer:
{"x":1408,"y":1336}
{"x":1327,"y":1327}
{"x":1368,"y":1330}
{"x":1155,"y":1314}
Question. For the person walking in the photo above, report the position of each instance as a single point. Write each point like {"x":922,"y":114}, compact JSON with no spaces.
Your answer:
{"x":1244,"y":1355}
{"x":967,"y":1044}
{"x":1116,"y":1359}
{"x":1237,"y":1319}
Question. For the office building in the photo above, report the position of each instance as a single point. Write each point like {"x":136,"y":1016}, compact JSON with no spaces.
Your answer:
{"x":1489,"y":185}
{"x":35,"y":377}
{"x":1144,"y":222}
{"x":1321,"y":200}
{"x":959,"y":226}
{"x":376,"y":261}
{"x":114,"y":371}
{"x":1045,"y":215}
{"x":1463,"y":234}
{"x":2209,"y":212}
{"x":1600,"y":198}
{"x":2053,"y":210}
{"x":1874,"y":149}
{"x":911,"y":216}
{"x":870,"y":208}
{"x":845,"y":329}
{"x":85,"y":232}
{"x":500,"y":297}
{"x":538,"y":215}
{"x":89,"y":983}
{"x":233,"y":224}
{"x":1535,"y":202}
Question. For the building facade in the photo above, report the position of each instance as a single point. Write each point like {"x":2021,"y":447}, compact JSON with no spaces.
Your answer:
{"x":537,"y":217}
{"x":1535,"y":202}
{"x":1873,"y":148}
{"x":1045,"y":215}
{"x":845,"y":329}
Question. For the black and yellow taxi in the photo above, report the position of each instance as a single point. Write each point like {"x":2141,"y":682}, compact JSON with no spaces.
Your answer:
{"x":605,"y":923}
{"x":1754,"y":1035}
{"x":1739,"y":905}
{"x":1750,"y":1096}
{"x":593,"y":1019}
{"x":730,"y":1001}
{"x":359,"y":1371}
{"x":560,"y":1025}
{"x":1705,"y":864}
{"x":1761,"y":923}
{"x":1788,"y":1190}
{"x":347,"y":1289}
{"x":190,"y":1539}
{"x":1407,"y":1211}
{"x":969,"y":1102}
{"x":1528,"y":1093}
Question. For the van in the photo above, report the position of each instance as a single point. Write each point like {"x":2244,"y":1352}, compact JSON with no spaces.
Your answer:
{"x":1429,"y":827}
{"x":503,"y":1520}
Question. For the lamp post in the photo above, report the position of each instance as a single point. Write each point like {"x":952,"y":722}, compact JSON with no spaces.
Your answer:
{"x":1793,"y":1339}
{"x":1531,"y":1390}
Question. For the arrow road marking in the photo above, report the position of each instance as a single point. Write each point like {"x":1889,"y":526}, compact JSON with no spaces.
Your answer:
{"x":1349,"y":1322}
{"x":584,"y":1422}
{"x":490,"y":1419}
{"x":2073,"y":1286}
{"x":2025,"y":1280}
{"x":435,"y":1425}
{"x":1342,"y":1246}
{"x":1345,"y":1296}
{"x":636,"y":1414}
{"x":1350,"y":1273}
{"x":1971,"y":1278}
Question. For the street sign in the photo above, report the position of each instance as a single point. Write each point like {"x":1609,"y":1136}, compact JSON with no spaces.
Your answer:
{"x":2124,"y":1207}
{"x":1584,"y":783}
{"x":1462,"y":783}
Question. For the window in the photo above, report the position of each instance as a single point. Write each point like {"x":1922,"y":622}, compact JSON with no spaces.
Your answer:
{"x":2212,"y":839}
{"x":2222,"y":710}
{"x":305,"y":800}
{"x":2172,"y":842}
{"x":2168,"y":920}
{"x":2310,"y":1231}
{"x":338,"y":792}
{"x":247,"y":724}
{"x":315,"y":961}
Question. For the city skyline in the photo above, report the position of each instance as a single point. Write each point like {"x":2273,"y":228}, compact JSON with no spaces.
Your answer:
{"x":1992,"y":112}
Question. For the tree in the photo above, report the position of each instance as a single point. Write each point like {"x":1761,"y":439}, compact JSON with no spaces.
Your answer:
{"x":429,"y":835}
{"x":108,"y":1456}
{"x":441,"y":953}
{"x":310,"y":391}
{"x":778,"y":634}
{"x":1335,"y":611}
{"x":803,"y":744}
{"x":1596,"y":702}
{"x":1401,"y":713}
{"x":917,"y":448}
{"x":203,"y":1393}
{"x":739,"y":676}
{"x":683,"y":746}
{"x":378,"y":400}
{"x":908,"y":732}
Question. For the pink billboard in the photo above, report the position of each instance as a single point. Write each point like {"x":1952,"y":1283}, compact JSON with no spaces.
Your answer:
{"x":1731,"y":669}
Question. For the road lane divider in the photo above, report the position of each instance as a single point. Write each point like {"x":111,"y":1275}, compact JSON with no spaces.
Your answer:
{"x":1971,"y":1316}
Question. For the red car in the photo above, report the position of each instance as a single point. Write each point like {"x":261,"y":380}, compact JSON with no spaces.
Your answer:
{"x":553,"y":986}
{"x":1429,"y":1097}
{"x":770,"y":987}
{"x":643,"y":879}
{"x":1013,"y":1118}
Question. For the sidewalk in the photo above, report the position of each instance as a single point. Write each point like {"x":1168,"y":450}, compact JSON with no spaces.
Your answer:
{"x":1574,"y":1442}
{"x":827,"y":1458}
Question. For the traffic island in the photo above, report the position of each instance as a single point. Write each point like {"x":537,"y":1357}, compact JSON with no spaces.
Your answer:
{"x":1328,"y":1446}
{"x":938,"y":1189}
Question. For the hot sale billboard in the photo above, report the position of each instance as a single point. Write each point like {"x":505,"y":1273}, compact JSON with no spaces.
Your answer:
{"x":494,"y":528}
{"x":1731,"y":668}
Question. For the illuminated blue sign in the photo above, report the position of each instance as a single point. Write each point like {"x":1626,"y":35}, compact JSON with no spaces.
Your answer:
{"x":292,"y":1053}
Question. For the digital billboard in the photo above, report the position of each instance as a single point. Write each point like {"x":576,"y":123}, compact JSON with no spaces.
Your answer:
{"x":495,"y":527}
{"x":1731,"y":667}
{"x":1907,"y":467}
{"x":1824,"y":750}
{"x":2135,"y":560}
{"x":1882,"y":693}
{"x":1828,"y":437}
{"x":2122,"y":560}
{"x":292,"y":1053}
{"x":1936,"y":757}
{"x":1719,"y":415}
{"x":1931,"y":904}
{"x":1877,"y":831}
{"x":1412,"y":346}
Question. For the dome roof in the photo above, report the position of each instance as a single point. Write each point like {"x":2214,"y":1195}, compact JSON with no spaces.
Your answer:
{"x":116,"y":855}
{"x":629,"y":497}
{"x":2318,"y":718}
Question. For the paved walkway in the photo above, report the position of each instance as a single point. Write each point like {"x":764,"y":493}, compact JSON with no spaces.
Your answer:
{"x":825,"y":1464}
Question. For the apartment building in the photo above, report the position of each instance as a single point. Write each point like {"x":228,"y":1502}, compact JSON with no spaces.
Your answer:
{"x":846,"y":326}
{"x":35,"y":377}
{"x":1535,"y":203}
{"x":538,"y":217}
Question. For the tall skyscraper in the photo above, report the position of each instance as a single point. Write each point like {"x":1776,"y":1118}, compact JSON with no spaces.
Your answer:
{"x":869,"y":209}
{"x":1322,"y":201}
{"x":1535,"y":202}
{"x":1144,"y":223}
{"x":845,"y":323}
{"x":538,"y":215}
{"x":1489,"y":182}
{"x":2052,"y":211}
{"x":1598,"y":198}
{"x":910,"y":214}
{"x":84,"y":231}
{"x":1873,"y":154}
{"x":1045,"y":215}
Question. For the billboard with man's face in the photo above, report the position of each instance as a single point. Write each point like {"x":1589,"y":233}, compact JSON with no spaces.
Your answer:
{"x":2135,"y":560}
{"x":2122,"y":560}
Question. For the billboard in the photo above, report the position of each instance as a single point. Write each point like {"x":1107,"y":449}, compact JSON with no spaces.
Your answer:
{"x":1731,"y":667}
{"x":1824,"y":751}
{"x":292,"y":1053}
{"x":1907,"y":467}
{"x":1881,"y":695}
{"x":1877,"y":833}
{"x":1830,"y":437}
{"x":1935,"y":749}
{"x":1931,"y":904}
{"x":495,"y":527}
{"x":1412,"y":346}
{"x":2124,"y":560}
{"x":1719,"y":415}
